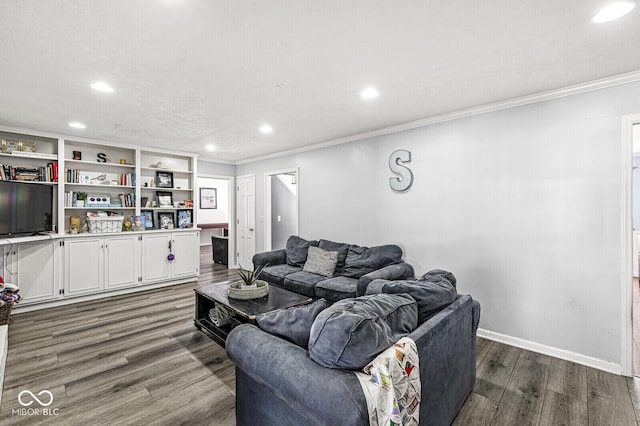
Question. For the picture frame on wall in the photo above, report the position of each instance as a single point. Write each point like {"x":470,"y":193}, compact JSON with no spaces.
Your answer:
{"x":148,"y":218}
{"x":165,"y":199}
{"x":164,"y":179}
{"x":185,"y":219}
{"x":166,"y":220}
{"x":208,"y":198}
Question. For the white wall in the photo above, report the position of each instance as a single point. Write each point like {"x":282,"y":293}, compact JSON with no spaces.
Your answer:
{"x":523,"y":205}
{"x":206,"y":167}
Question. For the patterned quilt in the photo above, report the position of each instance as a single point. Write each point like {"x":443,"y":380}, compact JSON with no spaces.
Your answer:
{"x":391,"y":385}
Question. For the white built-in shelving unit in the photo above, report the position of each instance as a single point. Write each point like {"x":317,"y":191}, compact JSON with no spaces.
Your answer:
{"x":90,"y":265}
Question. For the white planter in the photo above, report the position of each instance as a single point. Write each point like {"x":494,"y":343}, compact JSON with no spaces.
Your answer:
{"x":239,"y":291}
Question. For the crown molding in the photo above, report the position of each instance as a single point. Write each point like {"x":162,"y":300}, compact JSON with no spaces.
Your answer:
{"x":483,"y":109}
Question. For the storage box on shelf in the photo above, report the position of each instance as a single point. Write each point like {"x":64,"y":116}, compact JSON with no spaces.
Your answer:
{"x":108,"y":225}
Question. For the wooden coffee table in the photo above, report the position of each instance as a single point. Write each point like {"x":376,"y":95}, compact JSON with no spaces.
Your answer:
{"x":242,"y":311}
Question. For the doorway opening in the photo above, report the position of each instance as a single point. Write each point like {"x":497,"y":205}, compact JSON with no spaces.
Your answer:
{"x":281,"y":207}
{"x":214,"y":218}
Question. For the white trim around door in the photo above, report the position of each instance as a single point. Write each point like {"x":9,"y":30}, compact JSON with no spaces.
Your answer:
{"x":626,"y":264}
{"x":232,"y":212}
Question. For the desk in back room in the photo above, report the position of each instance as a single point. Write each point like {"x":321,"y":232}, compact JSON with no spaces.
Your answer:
{"x":219,"y":244}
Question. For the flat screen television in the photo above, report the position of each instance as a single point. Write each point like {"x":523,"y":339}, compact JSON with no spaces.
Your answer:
{"x":25,"y":208}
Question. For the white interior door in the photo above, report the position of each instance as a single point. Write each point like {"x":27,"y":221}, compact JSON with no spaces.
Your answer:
{"x":246,"y":220}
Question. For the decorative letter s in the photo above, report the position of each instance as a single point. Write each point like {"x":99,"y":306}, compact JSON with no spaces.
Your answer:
{"x":405,"y":179}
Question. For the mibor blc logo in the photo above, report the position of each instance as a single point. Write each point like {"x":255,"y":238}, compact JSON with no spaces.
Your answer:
{"x":27,"y":399}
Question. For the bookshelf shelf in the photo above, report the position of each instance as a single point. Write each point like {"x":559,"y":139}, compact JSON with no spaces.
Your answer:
{"x":98,"y":187}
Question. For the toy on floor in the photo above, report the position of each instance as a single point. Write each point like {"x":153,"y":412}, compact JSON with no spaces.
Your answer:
{"x":8,"y":292}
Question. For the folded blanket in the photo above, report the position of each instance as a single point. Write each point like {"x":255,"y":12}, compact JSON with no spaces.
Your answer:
{"x":391,"y":385}
{"x":219,"y":316}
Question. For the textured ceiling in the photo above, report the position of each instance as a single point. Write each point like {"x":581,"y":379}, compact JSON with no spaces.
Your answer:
{"x":191,"y":72}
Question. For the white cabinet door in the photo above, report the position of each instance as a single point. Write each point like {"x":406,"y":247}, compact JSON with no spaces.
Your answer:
{"x":83,"y":265}
{"x":36,"y":271}
{"x":5,"y":266}
{"x":122,"y":257}
{"x":155,"y":265}
{"x":186,"y":249}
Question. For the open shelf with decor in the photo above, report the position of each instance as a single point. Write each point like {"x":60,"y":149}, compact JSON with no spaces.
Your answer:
{"x":166,"y":188}
{"x":98,"y":177}
{"x":28,"y":158}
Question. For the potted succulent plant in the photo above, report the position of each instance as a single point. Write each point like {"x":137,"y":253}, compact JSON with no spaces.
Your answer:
{"x":249,"y":278}
{"x":249,"y":286}
{"x":80,"y":197}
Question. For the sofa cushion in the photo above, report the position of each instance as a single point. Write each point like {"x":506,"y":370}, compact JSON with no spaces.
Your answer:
{"x":337,"y":288}
{"x":302,"y":282}
{"x":297,"y":249}
{"x":275,"y":274}
{"x":321,"y":262}
{"x":293,"y":324}
{"x":341,"y":248}
{"x":351,"y":332}
{"x":437,"y":275}
{"x":432,"y":292}
{"x":362,"y":260}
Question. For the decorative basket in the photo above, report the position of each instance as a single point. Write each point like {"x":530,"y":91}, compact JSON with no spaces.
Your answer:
{"x":110,"y":224}
{"x":5,"y":312}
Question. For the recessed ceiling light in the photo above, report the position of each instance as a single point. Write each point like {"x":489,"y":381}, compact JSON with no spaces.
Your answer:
{"x":77,"y":125}
{"x":211,"y":147}
{"x":101,"y":86}
{"x":369,"y":93}
{"x":614,"y":11}
{"x":266,"y":129}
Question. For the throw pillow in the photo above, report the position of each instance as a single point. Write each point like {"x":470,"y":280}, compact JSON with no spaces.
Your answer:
{"x":341,"y":248}
{"x":297,"y":249}
{"x":435,"y":290}
{"x":351,"y":332}
{"x":292,"y":324}
{"x":321,"y":262}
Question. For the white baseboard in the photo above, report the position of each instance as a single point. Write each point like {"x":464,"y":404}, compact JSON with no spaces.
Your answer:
{"x":20,"y":308}
{"x":581,"y":359}
{"x":4,"y":342}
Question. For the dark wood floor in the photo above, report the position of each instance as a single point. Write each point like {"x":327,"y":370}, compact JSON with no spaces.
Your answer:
{"x":137,"y":360}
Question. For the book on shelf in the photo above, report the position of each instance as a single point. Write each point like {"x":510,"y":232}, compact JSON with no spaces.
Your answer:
{"x":70,"y":199}
{"x":127,"y":200}
{"x":127,"y":179}
{"x":72,"y":176}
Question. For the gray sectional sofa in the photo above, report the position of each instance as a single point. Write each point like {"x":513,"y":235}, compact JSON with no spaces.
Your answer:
{"x":298,"y":377}
{"x":355,"y":267}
